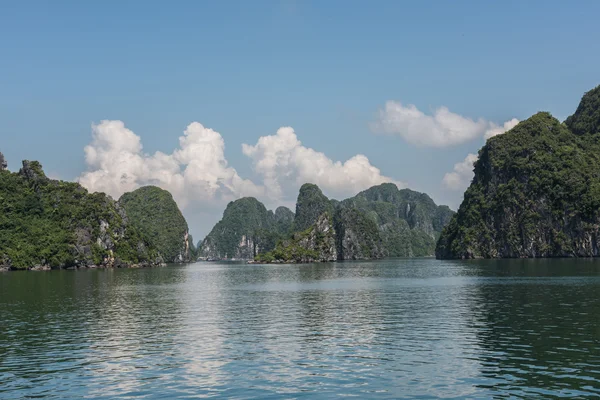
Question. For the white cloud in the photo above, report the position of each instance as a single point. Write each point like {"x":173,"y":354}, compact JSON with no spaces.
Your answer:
{"x":497,"y":130}
{"x":196,"y":172}
{"x":199,"y":178}
{"x":285,"y":164}
{"x":460,"y":177}
{"x":443,"y":128}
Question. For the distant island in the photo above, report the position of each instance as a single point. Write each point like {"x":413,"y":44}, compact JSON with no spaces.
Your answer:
{"x":52,"y":224}
{"x":382,"y":221}
{"x":536,"y":191}
{"x":154,"y":213}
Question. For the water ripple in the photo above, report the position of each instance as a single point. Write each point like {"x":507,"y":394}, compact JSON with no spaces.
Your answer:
{"x":388,"y":329}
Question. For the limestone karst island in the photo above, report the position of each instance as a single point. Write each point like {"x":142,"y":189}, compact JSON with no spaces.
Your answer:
{"x":533,"y":195}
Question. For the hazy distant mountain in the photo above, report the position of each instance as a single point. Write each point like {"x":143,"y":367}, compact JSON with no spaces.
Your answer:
{"x":246,"y":229}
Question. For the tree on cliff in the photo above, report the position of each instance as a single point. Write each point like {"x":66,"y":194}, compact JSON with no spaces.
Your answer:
{"x":535,"y":193}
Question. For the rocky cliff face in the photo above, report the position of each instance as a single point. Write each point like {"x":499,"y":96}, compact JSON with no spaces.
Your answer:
{"x":409,"y":222}
{"x":193,"y":249}
{"x":313,"y":237}
{"x":357,"y":236}
{"x":155,"y":214}
{"x":310,"y":205}
{"x":314,"y":244}
{"x":535,"y":193}
{"x":381,"y":221}
{"x":54,"y":224}
{"x":245,"y":230}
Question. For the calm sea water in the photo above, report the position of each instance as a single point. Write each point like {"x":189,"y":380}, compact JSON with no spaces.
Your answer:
{"x":403,"y":328}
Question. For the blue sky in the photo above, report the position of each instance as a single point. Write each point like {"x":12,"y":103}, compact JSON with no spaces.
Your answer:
{"x":245,"y":69}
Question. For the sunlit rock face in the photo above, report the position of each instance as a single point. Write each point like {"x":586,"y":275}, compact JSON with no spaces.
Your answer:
{"x":55,"y":224}
{"x":535,"y":193}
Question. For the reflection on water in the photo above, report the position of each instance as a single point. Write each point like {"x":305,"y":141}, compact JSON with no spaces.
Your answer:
{"x":388,"y":329}
{"x":541,"y":336}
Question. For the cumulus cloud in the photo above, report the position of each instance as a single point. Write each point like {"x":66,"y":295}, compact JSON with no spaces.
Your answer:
{"x":460,"y":177}
{"x":497,"y":130}
{"x":197,"y":171}
{"x":200,"y":179}
{"x":284,"y":164}
{"x":443,"y":128}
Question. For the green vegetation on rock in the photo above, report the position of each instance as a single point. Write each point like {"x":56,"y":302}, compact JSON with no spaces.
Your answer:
{"x":586,"y":119}
{"x":409,"y":222}
{"x":311,"y":204}
{"x":284,"y":219}
{"x":246,"y":229}
{"x":314,"y":244}
{"x":357,"y":235}
{"x":535,"y":193}
{"x":381,"y":221}
{"x":155,"y":214}
{"x":46,"y":223}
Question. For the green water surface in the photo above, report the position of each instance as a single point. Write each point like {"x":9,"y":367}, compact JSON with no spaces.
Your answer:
{"x":398,"y":328}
